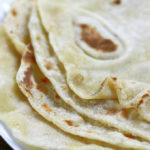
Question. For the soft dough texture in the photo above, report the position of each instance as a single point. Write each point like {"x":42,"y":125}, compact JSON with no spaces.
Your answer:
{"x":25,"y":124}
{"x":84,"y":71}
{"x":45,"y":101}
{"x":124,"y":73}
{"x":108,"y":112}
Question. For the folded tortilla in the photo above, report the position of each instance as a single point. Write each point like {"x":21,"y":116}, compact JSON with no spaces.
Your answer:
{"x":80,"y":78}
{"x":78,"y":34}
{"x":26,"y":125}
{"x":108,"y":111}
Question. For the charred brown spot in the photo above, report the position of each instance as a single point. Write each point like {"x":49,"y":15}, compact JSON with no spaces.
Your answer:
{"x":29,"y":57}
{"x":95,"y":40}
{"x":120,"y":88}
{"x":124,"y":113}
{"x":102,"y":84}
{"x":57,"y":96}
{"x":114,"y":78}
{"x":14,"y":12}
{"x":46,"y":108}
{"x":112,"y":111}
{"x":38,"y":38}
{"x":26,"y":89}
{"x":48,"y":64}
{"x":30,"y":47}
{"x":129,"y":136}
{"x":145,"y":95}
{"x":44,"y":80}
{"x":41,"y":89}
{"x":140,"y":102}
{"x":116,"y":2}
{"x":27,"y":78}
{"x":70,"y":123}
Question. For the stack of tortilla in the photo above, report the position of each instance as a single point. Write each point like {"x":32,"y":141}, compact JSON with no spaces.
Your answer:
{"x":76,"y":74}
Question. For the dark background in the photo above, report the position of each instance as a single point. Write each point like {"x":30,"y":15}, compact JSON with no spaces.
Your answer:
{"x":4,"y":145}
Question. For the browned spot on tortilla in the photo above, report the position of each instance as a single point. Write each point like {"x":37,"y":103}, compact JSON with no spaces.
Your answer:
{"x":29,"y":57}
{"x":145,"y":95}
{"x":47,"y":109}
{"x":70,"y":123}
{"x":41,"y":89}
{"x":102,"y":84}
{"x":48,"y":64}
{"x":140,"y":102}
{"x":44,"y":80}
{"x":26,"y":89}
{"x":57,"y":96}
{"x":120,"y":88}
{"x":148,"y":90}
{"x":112,"y":111}
{"x":94,"y":39}
{"x":116,"y":2}
{"x":14,"y":12}
{"x":27,"y":78}
{"x":38,"y":38}
{"x":30,"y":47}
{"x":114,"y":78}
{"x":124,"y":113}
{"x":129,"y":135}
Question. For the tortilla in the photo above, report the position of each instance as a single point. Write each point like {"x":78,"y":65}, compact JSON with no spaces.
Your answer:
{"x":25,"y":124}
{"x":107,"y":77}
{"x":114,"y":117}
{"x":108,"y":112}
{"x":45,"y":100}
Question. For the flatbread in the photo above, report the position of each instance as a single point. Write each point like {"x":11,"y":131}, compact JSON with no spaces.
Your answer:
{"x":109,"y":77}
{"x":25,"y":124}
{"x":108,"y":112}
{"x":44,"y":100}
{"x":50,"y":67}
